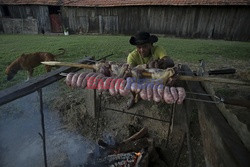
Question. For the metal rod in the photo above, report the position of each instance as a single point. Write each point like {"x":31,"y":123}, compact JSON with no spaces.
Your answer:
{"x":122,"y":111}
{"x":43,"y":136}
{"x":171,"y":122}
{"x":200,"y":100}
{"x":105,"y":57}
{"x":98,"y":113}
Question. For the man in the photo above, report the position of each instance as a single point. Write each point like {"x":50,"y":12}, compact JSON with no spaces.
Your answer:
{"x":147,"y":53}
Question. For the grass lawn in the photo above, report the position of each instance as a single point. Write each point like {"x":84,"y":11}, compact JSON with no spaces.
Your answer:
{"x":79,"y":46}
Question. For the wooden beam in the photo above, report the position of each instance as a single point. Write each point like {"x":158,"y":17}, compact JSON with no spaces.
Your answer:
{"x":25,"y":88}
{"x":222,"y":146}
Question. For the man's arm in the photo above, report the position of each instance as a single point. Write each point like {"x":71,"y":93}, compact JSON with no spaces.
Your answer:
{"x":131,"y":61}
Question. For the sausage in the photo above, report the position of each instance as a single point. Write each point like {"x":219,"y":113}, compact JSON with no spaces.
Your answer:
{"x":182,"y":94}
{"x":127,"y":87}
{"x":150,"y":91}
{"x":122,"y":90}
{"x":168,"y":98}
{"x":80,"y":79}
{"x":161,"y":91}
{"x":174,"y":93}
{"x":135,"y":87}
{"x":156,"y":96}
{"x":85,"y":80}
{"x":143,"y":92}
{"x":74,"y":79}
{"x":96,"y":81}
{"x":129,"y":83}
{"x":100,"y":86}
{"x":107,"y":83}
{"x":112,"y":87}
{"x":90,"y":81}
{"x":69,"y":78}
{"x":117,"y":85}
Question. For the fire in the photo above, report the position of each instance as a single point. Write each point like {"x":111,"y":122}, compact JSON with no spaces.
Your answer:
{"x":138,"y":154}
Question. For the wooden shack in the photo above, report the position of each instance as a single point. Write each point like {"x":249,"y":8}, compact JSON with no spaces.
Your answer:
{"x":213,"y":19}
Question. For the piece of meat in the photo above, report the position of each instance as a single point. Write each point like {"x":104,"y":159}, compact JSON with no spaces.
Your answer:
{"x":85,"y":80}
{"x":182,"y":94}
{"x":161,"y":91}
{"x":112,"y":87}
{"x":143,"y":92}
{"x":174,"y":93}
{"x":117,"y":85}
{"x":150,"y":91}
{"x":69,"y":78}
{"x":168,"y":98}
{"x":90,"y":81}
{"x":156,"y":96}
{"x":80,"y":79}
{"x":97,"y":80}
{"x":74,"y":80}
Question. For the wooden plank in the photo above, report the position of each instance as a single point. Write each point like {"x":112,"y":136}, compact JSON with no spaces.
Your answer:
{"x":25,"y":88}
{"x":222,"y":146}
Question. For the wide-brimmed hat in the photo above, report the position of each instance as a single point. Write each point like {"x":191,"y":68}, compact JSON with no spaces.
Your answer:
{"x":142,"y":38}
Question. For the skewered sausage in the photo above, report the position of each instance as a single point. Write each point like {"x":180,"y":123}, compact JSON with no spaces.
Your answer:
{"x":135,"y":87}
{"x":117,"y":85}
{"x":174,"y":93}
{"x":122,"y":90}
{"x":96,"y":81}
{"x":156,"y":96}
{"x":74,"y":79}
{"x":80,"y":79}
{"x":161,"y":91}
{"x":112,"y":87}
{"x":100,"y":86}
{"x":143,"y":92}
{"x":85,"y":80}
{"x":150,"y":91}
{"x":168,"y":96}
{"x":107,"y":82}
{"x":181,"y":94}
{"x":90,"y":80}
{"x":129,"y":83}
{"x":127,"y":87}
{"x":69,"y":78}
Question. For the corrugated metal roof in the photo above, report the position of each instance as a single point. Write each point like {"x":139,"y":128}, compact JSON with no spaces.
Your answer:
{"x":106,"y":3}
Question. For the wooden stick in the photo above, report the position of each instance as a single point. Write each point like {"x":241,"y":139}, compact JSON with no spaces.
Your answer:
{"x":56,"y":63}
{"x":143,"y":132}
{"x":147,"y":74}
{"x":213,"y":79}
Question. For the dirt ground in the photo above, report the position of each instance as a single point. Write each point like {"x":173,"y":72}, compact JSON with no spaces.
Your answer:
{"x":113,"y":127}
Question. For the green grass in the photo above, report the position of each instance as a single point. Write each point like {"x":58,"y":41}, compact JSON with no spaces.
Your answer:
{"x":79,"y":46}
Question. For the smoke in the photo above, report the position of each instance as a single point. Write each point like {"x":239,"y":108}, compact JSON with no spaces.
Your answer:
{"x":20,"y":144}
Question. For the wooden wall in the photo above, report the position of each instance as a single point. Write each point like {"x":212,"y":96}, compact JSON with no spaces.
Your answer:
{"x":228,"y":22}
{"x":215,"y":22}
{"x":40,"y":13}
